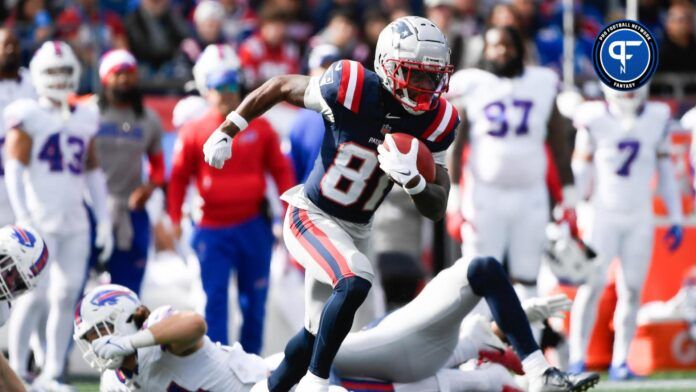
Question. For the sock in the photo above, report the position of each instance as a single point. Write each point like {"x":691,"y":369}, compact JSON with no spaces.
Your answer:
{"x":535,"y":364}
{"x":336,"y":321}
{"x":487,"y":279}
{"x":298,"y":352}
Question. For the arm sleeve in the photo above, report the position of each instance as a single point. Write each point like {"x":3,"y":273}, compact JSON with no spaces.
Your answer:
{"x":154,"y":152}
{"x":558,"y":144}
{"x":313,"y":99}
{"x":183,"y":164}
{"x":14,"y":180}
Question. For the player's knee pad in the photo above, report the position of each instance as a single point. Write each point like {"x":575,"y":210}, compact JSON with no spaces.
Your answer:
{"x":354,"y":289}
{"x":485,"y":273}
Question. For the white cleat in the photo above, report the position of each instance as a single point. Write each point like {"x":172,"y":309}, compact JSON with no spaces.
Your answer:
{"x":50,"y":385}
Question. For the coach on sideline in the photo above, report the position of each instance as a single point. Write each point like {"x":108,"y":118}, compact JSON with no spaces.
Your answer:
{"x":234,"y":232}
{"x":127,"y":132}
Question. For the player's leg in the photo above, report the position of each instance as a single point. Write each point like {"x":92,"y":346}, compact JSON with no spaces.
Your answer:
{"x":603,"y":237}
{"x":329,"y":255}
{"x":492,"y":377}
{"x":27,"y":312}
{"x":636,"y":253}
{"x":215,"y":252}
{"x":255,"y":242}
{"x":127,"y":266}
{"x":485,"y":231}
{"x":67,"y":279}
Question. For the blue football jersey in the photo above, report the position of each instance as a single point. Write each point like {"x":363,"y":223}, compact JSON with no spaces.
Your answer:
{"x":346,"y":180}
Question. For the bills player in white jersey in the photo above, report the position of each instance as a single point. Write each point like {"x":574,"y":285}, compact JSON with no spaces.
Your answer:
{"x":619,"y":145}
{"x":23,"y":255}
{"x":50,"y":164}
{"x":15,"y":83}
{"x":508,"y":116}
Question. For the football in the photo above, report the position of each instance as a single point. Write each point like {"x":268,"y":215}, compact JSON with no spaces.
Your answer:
{"x":426,"y":163}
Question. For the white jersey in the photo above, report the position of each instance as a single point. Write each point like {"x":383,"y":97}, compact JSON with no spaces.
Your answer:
{"x":55,"y":182}
{"x":625,"y":159}
{"x":212,"y":368}
{"x":10,"y":91}
{"x":508,"y":123}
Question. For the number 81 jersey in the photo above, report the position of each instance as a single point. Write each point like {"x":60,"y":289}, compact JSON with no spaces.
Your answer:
{"x":346,"y":181}
{"x":55,"y":183}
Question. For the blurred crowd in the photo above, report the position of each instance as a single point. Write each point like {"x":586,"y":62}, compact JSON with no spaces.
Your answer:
{"x":275,"y":36}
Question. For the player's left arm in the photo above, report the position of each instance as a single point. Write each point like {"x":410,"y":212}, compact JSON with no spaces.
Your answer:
{"x":557,"y":142}
{"x":669,"y":190}
{"x":96,"y":185}
{"x":432,"y":201}
{"x":155,"y":157}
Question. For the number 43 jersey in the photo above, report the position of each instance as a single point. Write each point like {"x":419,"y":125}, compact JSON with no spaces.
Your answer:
{"x":508,"y":123}
{"x":55,"y":184}
{"x":346,"y":181}
{"x":624,"y":152}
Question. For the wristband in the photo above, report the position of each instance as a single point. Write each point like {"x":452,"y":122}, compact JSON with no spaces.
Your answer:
{"x":418,"y":188}
{"x":143,"y":338}
{"x":237,"y":120}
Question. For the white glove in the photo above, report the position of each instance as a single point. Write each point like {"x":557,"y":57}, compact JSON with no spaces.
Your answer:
{"x":113,"y":347}
{"x":104,"y":240}
{"x":402,"y":168}
{"x":217,"y":149}
{"x":540,"y":308}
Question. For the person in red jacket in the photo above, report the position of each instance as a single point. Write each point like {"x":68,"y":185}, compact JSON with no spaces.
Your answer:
{"x":233,"y":232}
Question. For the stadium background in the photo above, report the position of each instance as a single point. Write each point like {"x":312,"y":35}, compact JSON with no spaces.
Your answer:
{"x":558,"y":33}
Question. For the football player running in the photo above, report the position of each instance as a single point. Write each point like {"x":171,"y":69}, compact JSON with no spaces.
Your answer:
{"x":328,"y":222}
{"x":329,"y":216}
{"x":508,"y":116}
{"x":50,"y":162}
{"x":619,"y":145}
{"x":23,"y":255}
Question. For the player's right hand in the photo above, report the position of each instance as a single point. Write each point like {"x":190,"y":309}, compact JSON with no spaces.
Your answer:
{"x":104,"y":240}
{"x":540,"y":308}
{"x":217,"y":149}
{"x":112,"y":347}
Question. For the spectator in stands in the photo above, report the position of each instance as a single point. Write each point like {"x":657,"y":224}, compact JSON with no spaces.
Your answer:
{"x":307,"y":130}
{"x":91,"y":31}
{"x":207,"y":21}
{"x":300,"y":27}
{"x":442,"y":13}
{"x":373,"y":22}
{"x":127,"y":132}
{"x":233,"y":233}
{"x":269,"y":53}
{"x":239,"y":20}
{"x":324,"y":9}
{"x":678,"y":49}
{"x":155,"y":32}
{"x":343,"y":33}
{"x":32,"y":21}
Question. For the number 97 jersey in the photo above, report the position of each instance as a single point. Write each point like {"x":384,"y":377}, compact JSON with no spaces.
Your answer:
{"x":55,"y":184}
{"x":346,"y":181}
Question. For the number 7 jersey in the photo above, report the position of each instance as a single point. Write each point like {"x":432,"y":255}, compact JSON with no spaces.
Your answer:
{"x":346,"y":181}
{"x":55,"y":185}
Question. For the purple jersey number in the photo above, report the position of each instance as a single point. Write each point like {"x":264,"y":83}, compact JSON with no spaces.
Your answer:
{"x":633,"y":146}
{"x":495,"y":113}
{"x":52,"y":153}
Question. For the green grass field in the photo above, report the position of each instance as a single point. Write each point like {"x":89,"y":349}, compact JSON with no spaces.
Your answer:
{"x":665,"y":381}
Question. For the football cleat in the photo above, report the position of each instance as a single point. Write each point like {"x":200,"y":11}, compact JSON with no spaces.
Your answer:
{"x":554,"y":380}
{"x":622,"y":373}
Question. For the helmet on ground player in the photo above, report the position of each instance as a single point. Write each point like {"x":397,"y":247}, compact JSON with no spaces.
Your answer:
{"x":568,"y":258}
{"x":412,"y":60}
{"x":23,"y":255}
{"x":55,"y":70}
{"x":105,"y":310}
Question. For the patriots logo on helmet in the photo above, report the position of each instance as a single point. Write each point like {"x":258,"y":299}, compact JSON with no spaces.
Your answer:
{"x":24,"y":237}
{"x":110,"y":297}
{"x":402,"y":28}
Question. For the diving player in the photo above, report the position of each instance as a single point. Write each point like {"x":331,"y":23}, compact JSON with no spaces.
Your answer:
{"x":619,"y":145}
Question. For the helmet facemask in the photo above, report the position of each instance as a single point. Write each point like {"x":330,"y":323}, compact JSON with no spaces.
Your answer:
{"x":58,"y":82}
{"x":14,"y":280}
{"x":84,"y":342}
{"x":418,"y":86}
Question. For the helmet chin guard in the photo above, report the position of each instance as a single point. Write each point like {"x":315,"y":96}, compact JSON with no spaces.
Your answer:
{"x":412,"y":61}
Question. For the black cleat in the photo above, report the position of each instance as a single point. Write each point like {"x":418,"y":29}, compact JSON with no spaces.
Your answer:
{"x":554,"y":380}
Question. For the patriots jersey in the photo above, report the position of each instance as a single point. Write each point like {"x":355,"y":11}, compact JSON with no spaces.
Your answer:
{"x":624,"y":155}
{"x":55,"y":185}
{"x":346,"y":181}
{"x":508,"y":123}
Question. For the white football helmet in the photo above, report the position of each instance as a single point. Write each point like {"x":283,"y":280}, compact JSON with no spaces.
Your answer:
{"x":23,"y":255}
{"x":412,"y":60}
{"x":55,"y":70}
{"x":569,"y":258}
{"x":105,"y":310}
{"x":626,"y":103}
{"x":215,"y":58}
